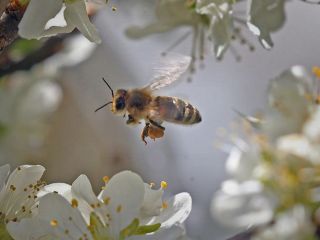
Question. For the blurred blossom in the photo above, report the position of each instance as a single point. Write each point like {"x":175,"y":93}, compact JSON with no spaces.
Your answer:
{"x":265,"y":17}
{"x":216,"y":21}
{"x":291,"y":101}
{"x":274,"y":168}
{"x":220,"y":28}
{"x":306,"y":144}
{"x":57,"y":16}
{"x":294,"y":224}
{"x":18,"y":194}
{"x":76,"y":49}
{"x":242,"y":204}
{"x":124,"y":208}
{"x":26,"y":104}
{"x":209,"y":20}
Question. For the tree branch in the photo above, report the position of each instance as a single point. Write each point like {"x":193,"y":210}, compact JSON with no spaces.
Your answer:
{"x":9,"y":22}
{"x":49,"y":48}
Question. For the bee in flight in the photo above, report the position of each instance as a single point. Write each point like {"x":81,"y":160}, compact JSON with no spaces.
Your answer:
{"x":143,"y":104}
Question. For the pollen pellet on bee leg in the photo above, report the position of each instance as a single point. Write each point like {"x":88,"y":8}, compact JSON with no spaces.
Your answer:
{"x":155,"y":132}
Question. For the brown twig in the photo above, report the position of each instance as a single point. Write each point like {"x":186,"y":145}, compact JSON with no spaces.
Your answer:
{"x":48,"y":49}
{"x":9,"y":22}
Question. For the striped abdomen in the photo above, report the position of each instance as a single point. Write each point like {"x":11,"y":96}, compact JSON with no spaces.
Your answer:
{"x":172,"y":109}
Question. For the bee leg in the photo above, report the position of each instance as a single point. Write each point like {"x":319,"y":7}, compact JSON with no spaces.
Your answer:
{"x":156,"y":124}
{"x":145,"y":132}
{"x":131,"y":120}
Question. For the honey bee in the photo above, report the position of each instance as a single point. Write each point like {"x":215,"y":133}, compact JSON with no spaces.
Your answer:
{"x":143,"y":104}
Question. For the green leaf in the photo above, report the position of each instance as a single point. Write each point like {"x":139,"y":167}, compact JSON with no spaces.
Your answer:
{"x":98,"y":230}
{"x":142,"y":230}
{"x":4,"y":235}
{"x":130,"y":229}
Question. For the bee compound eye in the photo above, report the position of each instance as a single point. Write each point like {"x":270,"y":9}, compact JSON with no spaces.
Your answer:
{"x":120,"y":103}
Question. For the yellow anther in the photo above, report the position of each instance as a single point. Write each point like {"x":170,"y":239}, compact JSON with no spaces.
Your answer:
{"x":316,"y":71}
{"x":13,"y":188}
{"x":119,"y":209}
{"x":106,"y":179}
{"x":114,"y":8}
{"x":164,"y":184}
{"x":54,"y":222}
{"x":74,"y":203}
{"x":164,"y":205}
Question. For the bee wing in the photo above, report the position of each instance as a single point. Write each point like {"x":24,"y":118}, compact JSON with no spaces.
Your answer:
{"x":169,"y":70}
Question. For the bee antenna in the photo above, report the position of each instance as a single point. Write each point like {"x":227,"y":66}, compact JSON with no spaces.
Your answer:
{"x":104,"y":105}
{"x":108,"y":87}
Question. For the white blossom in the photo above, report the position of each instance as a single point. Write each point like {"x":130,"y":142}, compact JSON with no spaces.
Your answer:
{"x":295,"y":224}
{"x":273,"y":184}
{"x":208,"y":18}
{"x":56,"y":16}
{"x":18,"y":193}
{"x":265,"y":17}
{"x":242,"y":204}
{"x":124,"y":208}
{"x":291,"y":102}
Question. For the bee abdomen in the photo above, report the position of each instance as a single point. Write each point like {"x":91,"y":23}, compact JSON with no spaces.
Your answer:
{"x":176,"y":110}
{"x":191,"y":115}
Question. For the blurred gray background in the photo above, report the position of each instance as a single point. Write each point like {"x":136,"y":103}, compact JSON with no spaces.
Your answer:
{"x":99,"y":144}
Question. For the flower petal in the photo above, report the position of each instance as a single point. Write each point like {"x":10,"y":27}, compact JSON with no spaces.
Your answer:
{"x":170,"y":15}
{"x":265,"y":17}
{"x":82,"y":191}
{"x":242,"y":205}
{"x":44,"y":11}
{"x":176,"y":212}
{"x":56,"y":218}
{"x":76,"y":14}
{"x":25,"y":175}
{"x":241,"y":163}
{"x":221,"y":34}
{"x":62,"y":189}
{"x":125,"y":194}
{"x":312,"y":127}
{"x":289,"y":104}
{"x":21,"y":191}
{"x":152,"y":202}
{"x":4,"y":173}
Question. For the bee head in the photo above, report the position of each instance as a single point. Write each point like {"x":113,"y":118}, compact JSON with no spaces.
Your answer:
{"x":119,"y":101}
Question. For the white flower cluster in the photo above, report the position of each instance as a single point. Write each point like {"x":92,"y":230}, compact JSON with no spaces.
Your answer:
{"x":125,"y":208}
{"x":274,"y":186}
{"x":44,"y":18}
{"x":215,"y":20}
